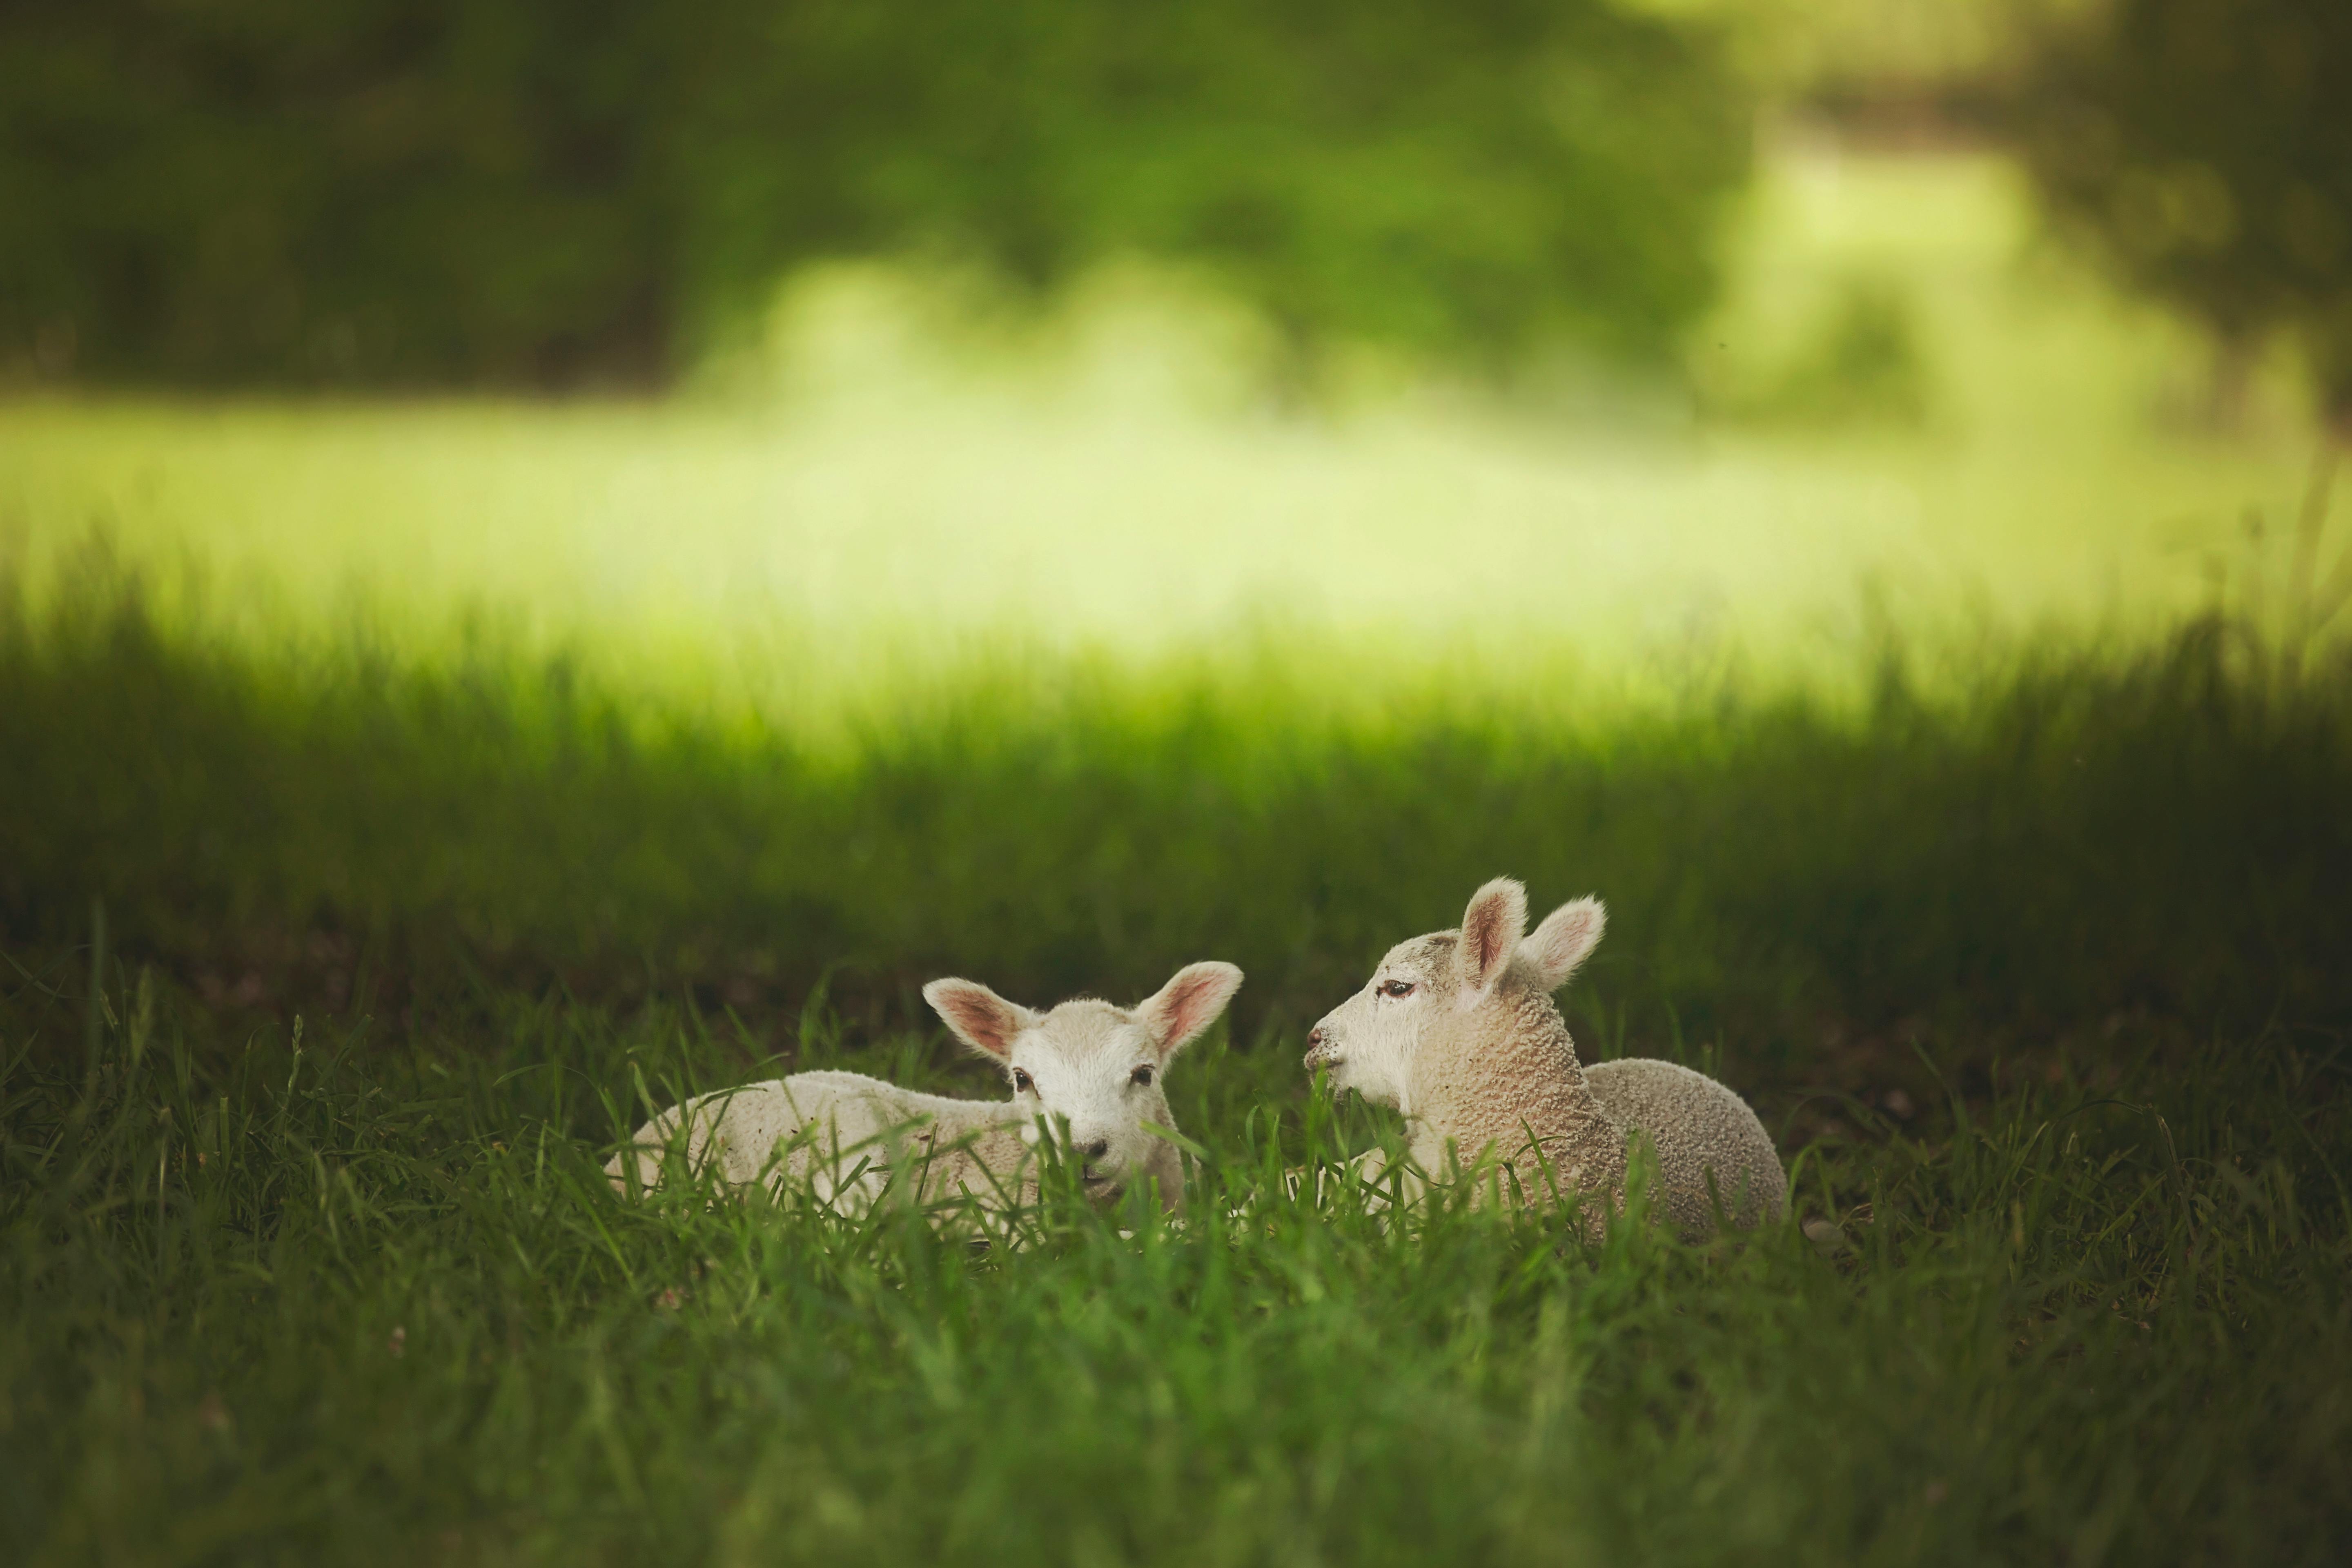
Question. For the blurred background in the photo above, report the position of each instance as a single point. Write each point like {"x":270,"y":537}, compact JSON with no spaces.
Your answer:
{"x":715,"y":493}
{"x":1646,"y":327}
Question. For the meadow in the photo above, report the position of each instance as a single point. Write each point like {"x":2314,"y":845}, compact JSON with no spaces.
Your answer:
{"x":329,"y":988}
{"x":494,"y":776}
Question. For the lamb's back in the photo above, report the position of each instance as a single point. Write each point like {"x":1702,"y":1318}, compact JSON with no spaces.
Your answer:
{"x":736,"y":1131}
{"x":1696,"y":1125}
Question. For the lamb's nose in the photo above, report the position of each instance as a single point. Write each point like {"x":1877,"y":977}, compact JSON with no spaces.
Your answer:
{"x":1097,"y":1149}
{"x":1314,"y":1036}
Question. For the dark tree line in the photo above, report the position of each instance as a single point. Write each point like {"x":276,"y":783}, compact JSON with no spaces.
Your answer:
{"x":2204,"y":147}
{"x":558,"y":192}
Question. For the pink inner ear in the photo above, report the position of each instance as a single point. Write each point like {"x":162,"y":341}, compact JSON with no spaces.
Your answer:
{"x":1188,"y":1010}
{"x":1188,"y":1004}
{"x":983,"y":1019}
{"x":1567,"y":940}
{"x":1490,"y":929}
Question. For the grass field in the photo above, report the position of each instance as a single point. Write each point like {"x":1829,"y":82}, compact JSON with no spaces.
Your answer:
{"x":344,"y":928}
{"x":2040,"y":987}
{"x":371,"y":1303}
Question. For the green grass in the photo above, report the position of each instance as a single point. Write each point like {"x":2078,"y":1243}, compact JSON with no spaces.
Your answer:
{"x":2064,"y":831}
{"x":2036,"y":968}
{"x":371,"y":1301}
{"x":541,"y":765}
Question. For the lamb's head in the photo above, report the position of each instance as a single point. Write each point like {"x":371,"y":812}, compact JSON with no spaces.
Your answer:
{"x":1089,"y":1073}
{"x":1429,"y":984}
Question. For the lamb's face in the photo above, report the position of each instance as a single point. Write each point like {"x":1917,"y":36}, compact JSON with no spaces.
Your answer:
{"x":1368,"y":1042}
{"x":1087,"y":1074}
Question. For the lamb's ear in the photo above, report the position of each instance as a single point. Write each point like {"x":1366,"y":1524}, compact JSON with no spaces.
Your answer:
{"x":1175,"y":1014}
{"x":1566,"y":938}
{"x":979,"y":1016}
{"x":1490,"y":933}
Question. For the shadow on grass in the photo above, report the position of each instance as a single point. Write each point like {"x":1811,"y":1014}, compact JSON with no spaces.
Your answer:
{"x":2071,"y":838}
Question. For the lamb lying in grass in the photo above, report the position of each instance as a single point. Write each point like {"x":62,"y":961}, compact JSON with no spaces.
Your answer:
{"x":1086,"y":1073}
{"x":1457,"y":1030}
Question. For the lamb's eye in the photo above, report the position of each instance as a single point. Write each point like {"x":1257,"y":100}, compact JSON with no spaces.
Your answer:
{"x":1396,"y":987}
{"x":1140,"y":1078}
{"x":1021,"y":1082}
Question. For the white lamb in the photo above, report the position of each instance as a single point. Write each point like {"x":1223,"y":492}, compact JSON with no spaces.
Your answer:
{"x":1086,"y":1074}
{"x":1457,"y":1029}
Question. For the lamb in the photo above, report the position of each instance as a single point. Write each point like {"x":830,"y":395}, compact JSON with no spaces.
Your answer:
{"x":1457,"y":1029}
{"x":1086,"y":1073}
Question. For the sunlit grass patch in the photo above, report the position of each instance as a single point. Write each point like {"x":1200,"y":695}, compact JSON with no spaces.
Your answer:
{"x":680,"y":537}
{"x":900,"y":484}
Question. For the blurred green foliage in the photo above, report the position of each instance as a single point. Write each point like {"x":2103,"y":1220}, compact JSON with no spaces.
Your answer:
{"x":1860,"y":361}
{"x":1851,"y":56}
{"x":535,"y":194}
{"x":2205,"y":148}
